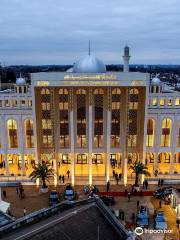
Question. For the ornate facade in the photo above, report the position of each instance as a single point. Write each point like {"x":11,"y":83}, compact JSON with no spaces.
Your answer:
{"x":89,"y":124}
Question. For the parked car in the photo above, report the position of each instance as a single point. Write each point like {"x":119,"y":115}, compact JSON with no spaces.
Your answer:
{"x":142,"y":219}
{"x":54,"y":198}
{"x":107,"y":200}
{"x":160,"y":221}
{"x":69,"y":193}
{"x":162,"y":192}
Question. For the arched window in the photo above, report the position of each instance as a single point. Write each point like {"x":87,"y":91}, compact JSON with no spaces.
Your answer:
{"x":166,"y":132}
{"x":64,"y":117}
{"x":150,"y":133}
{"x":115,"y":117}
{"x":12,"y":133}
{"x":98,"y":117}
{"x":29,"y":134}
{"x":81,"y":117}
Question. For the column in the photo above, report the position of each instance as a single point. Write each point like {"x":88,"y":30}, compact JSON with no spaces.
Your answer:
{"x":90,"y":134}
{"x":72,"y":138}
{"x":23,"y":165}
{"x":172,"y":163}
{"x":125,"y":172}
{"x":108,"y":136}
{"x":6,"y":165}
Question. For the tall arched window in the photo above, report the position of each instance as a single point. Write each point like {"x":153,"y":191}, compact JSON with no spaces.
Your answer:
{"x":133,"y":117}
{"x":29,"y":134}
{"x":64,"y":117}
{"x":12,"y":133}
{"x":166,"y":132}
{"x":115,"y":117}
{"x":81,"y":117}
{"x":150,"y":133}
{"x":98,"y":118}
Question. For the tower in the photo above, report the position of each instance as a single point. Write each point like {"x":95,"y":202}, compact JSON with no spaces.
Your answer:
{"x":126,"y":58}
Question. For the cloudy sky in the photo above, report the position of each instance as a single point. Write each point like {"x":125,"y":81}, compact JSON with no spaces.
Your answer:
{"x":57,"y":31}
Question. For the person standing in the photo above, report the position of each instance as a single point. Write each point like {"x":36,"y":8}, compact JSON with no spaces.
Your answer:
{"x":60,"y":178}
{"x":160,"y":203}
{"x":137,"y":204}
{"x":24,"y":211}
{"x":146,"y":184}
{"x":4,"y":193}
{"x":129,"y":196}
{"x":63,"y":178}
{"x":178,"y":222}
{"x":108,"y":186}
{"x":68,"y":173}
{"x":159,"y":182}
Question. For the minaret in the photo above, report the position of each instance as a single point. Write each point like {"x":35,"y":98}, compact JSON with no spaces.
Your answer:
{"x":126,"y":58}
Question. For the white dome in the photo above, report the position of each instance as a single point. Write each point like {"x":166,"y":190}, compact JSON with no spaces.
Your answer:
{"x":156,"y":81}
{"x":89,"y":64}
{"x":20,"y":81}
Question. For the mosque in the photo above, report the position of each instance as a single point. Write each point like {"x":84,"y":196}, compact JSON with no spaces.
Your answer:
{"x":88,"y":122}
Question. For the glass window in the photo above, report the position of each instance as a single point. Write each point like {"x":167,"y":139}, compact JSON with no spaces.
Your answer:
{"x":23,"y":103}
{"x":177,"y":101}
{"x":12,"y":133}
{"x":169,"y":102}
{"x":7,"y":103}
{"x":0,"y":103}
{"x":150,"y":133}
{"x":29,"y":133}
{"x":30,"y":103}
{"x":162,"y":102}
{"x":166,"y":133}
{"x":154,"y":101}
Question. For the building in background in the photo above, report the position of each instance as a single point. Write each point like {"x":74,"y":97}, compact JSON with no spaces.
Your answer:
{"x":90,"y":122}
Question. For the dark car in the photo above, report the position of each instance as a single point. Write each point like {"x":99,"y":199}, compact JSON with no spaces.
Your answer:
{"x":107,"y":200}
{"x":54,"y":198}
{"x":162,"y":192}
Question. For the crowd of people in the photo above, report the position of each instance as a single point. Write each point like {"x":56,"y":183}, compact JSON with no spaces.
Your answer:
{"x":117,"y":176}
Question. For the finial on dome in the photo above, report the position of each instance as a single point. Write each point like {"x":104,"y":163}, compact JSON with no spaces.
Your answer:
{"x":89,"y":47}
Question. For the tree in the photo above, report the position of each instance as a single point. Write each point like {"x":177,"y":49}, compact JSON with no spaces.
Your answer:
{"x":139,"y":168}
{"x":42,"y":171}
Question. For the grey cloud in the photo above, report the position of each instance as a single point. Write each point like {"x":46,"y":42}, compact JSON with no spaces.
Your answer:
{"x":57,"y":32}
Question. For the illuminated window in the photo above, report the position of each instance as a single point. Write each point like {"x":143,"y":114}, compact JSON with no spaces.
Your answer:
{"x":15,"y":102}
{"x":29,"y":133}
{"x":81,"y":117}
{"x":179,"y":136}
{"x":115,"y":117}
{"x":45,"y":106}
{"x":64,"y":118}
{"x":82,"y":159}
{"x":98,"y":117}
{"x":150,"y":133}
{"x":166,"y":133}
{"x":162,"y":102}
{"x":154,"y":102}
{"x":133,"y":117}
{"x":12,"y":133}
{"x":0,"y":103}
{"x":46,"y":124}
{"x":177,"y":101}
{"x":169,"y":102}
{"x":7,"y":103}
{"x":29,"y":103}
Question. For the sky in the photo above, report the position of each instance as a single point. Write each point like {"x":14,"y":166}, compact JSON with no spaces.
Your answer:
{"x":57,"y":31}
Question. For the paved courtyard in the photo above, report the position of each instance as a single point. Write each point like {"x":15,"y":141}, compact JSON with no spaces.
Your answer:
{"x":34,"y":201}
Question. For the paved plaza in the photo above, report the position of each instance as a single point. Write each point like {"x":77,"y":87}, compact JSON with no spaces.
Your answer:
{"x":34,"y":200}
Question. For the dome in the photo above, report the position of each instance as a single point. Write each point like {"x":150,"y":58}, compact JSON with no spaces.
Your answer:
{"x":20,"y":81}
{"x":89,"y":64}
{"x":156,"y":81}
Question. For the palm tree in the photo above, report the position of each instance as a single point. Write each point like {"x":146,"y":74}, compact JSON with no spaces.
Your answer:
{"x":42,"y":171}
{"x":139,"y":168}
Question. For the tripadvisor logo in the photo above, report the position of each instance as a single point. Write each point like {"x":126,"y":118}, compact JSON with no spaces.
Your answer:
{"x":138,"y":231}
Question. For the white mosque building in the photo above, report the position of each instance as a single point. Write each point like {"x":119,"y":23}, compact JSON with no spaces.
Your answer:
{"x":90,"y":122}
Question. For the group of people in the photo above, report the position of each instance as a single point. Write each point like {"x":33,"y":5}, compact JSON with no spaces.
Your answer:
{"x":62,"y":177}
{"x":115,"y":163}
{"x":117,"y":176}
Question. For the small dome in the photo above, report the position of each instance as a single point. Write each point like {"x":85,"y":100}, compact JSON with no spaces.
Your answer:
{"x":156,"y":81}
{"x":89,"y":64}
{"x":20,"y":81}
